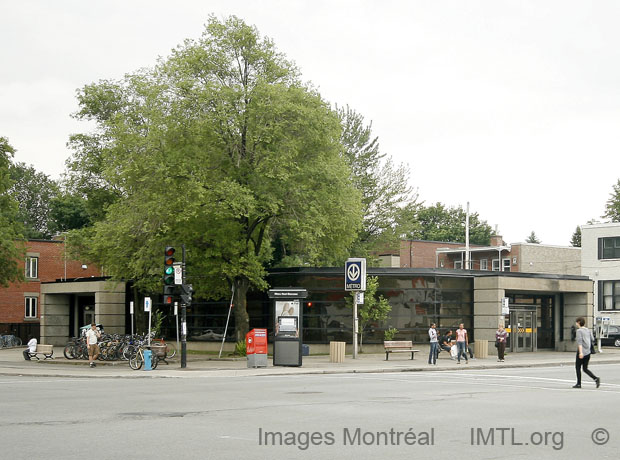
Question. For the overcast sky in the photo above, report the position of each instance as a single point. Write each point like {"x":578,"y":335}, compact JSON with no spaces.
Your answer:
{"x":513,"y":106}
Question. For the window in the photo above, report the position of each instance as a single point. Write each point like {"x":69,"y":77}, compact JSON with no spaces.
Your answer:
{"x":458,"y":264}
{"x":505,"y":265}
{"x":609,"y":248}
{"x":31,"y":307}
{"x":484,"y":264}
{"x":32,"y":267}
{"x":609,"y":295}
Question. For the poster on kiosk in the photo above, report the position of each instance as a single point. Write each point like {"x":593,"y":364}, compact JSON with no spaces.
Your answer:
{"x":288,"y":322}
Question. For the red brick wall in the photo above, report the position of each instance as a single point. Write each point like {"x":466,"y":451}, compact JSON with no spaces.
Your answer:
{"x":51,"y":267}
{"x":421,"y":254}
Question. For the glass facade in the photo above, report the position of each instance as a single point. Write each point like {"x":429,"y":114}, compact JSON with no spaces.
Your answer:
{"x":417,"y":300}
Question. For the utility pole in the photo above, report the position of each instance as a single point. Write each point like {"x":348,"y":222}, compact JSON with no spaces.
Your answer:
{"x":467,"y":262}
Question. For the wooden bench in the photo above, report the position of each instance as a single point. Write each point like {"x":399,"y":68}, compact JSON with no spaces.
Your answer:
{"x":45,"y":350}
{"x":399,"y":346}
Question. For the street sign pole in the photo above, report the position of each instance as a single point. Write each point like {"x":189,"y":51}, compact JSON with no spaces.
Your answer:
{"x":176,"y":318}
{"x":355,"y":281}
{"x":355,"y":322}
{"x":131,"y":314}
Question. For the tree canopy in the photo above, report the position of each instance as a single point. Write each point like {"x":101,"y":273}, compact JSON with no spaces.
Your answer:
{"x":34,"y":191}
{"x":220,"y":147}
{"x":440,"y":223}
{"x":384,"y":186}
{"x":612,"y":208}
{"x":10,"y":229}
{"x":532,"y":238}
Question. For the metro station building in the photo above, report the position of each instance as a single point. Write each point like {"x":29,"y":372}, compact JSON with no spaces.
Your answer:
{"x":542,"y":306}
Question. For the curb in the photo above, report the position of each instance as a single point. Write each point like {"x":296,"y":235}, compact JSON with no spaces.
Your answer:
{"x":269,"y":372}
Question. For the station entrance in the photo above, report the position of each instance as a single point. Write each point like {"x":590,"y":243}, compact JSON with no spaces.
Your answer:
{"x":530,"y":322}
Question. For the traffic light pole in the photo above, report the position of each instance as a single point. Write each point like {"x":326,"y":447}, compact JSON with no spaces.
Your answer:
{"x":183,"y":323}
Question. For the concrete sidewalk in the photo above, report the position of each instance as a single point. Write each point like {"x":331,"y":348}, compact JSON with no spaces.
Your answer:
{"x":200,"y":366}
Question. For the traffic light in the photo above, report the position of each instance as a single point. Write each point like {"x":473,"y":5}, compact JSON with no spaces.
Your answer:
{"x":186,"y":293}
{"x":169,"y":275}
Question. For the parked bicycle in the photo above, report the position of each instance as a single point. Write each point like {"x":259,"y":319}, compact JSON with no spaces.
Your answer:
{"x":10,"y":341}
{"x":137,"y":360}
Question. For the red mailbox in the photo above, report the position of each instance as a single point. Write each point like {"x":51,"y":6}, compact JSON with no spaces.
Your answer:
{"x":256,"y":344}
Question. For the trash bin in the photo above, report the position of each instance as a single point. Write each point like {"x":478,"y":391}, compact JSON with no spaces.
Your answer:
{"x":481,"y":349}
{"x":256,"y":347}
{"x":305,"y":350}
{"x":336,"y":352}
{"x":159,"y":351}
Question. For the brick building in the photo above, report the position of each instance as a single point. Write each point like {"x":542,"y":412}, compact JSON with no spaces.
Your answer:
{"x":498,"y":256}
{"x":20,"y":302}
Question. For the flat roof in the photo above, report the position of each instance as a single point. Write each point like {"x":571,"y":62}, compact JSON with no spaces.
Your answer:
{"x":446,"y":272}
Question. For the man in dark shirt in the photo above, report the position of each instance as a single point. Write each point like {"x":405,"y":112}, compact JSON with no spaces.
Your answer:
{"x":444,"y":342}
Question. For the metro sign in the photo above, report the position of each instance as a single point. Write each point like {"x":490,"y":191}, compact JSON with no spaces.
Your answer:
{"x":355,"y":274}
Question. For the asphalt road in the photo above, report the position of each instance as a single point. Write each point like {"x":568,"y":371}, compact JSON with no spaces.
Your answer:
{"x":483,"y":414}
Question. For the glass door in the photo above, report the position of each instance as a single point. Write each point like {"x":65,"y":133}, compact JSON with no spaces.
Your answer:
{"x":522,"y":331}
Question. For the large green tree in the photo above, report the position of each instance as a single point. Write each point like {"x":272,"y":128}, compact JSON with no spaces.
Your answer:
{"x":440,"y":223}
{"x":385,"y":189}
{"x":10,"y":228}
{"x":34,"y":191}
{"x":220,"y":147}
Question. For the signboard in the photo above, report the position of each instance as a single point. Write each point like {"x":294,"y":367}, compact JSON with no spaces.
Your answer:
{"x":359,"y":298}
{"x":178,"y":273}
{"x":355,"y":275}
{"x":505,"y":306}
{"x":147,"y":304}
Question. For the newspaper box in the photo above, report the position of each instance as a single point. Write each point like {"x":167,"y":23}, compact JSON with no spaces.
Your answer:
{"x":256,"y":347}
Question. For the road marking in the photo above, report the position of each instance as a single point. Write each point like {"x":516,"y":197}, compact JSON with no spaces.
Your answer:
{"x":460,"y":380}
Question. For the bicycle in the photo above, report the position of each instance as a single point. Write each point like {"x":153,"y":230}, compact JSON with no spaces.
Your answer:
{"x":171,"y":350}
{"x":137,"y":360}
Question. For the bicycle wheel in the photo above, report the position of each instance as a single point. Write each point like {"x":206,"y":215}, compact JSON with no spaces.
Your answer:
{"x":129,"y":351}
{"x":171,"y":350}
{"x":154,"y":361}
{"x":135,"y":362}
{"x":68,"y":351}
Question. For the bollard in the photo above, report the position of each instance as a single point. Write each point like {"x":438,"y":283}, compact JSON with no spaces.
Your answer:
{"x":147,"y":360}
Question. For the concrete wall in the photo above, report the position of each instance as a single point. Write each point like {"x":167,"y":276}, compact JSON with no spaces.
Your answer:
{"x":538,"y":258}
{"x":489,"y":290}
{"x":56,"y":305}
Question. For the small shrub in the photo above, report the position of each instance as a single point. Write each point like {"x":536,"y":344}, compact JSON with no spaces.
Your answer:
{"x":240,"y":349}
{"x":390,"y":333}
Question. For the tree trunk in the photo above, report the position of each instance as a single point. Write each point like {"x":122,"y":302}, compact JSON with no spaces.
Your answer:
{"x":242,"y":319}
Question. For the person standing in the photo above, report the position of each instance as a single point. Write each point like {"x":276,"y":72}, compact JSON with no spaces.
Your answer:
{"x":584,"y":344}
{"x":32,"y":348}
{"x":500,"y":342}
{"x":92,"y":336}
{"x":462,"y":342}
{"x":432,"y":355}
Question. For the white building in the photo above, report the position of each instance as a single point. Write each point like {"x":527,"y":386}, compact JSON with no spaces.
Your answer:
{"x":600,"y":260}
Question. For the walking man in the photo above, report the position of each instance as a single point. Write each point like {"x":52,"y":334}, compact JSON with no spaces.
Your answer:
{"x":584,"y":345}
{"x":92,"y":336}
{"x":462,"y":342}
{"x":432,"y":355}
